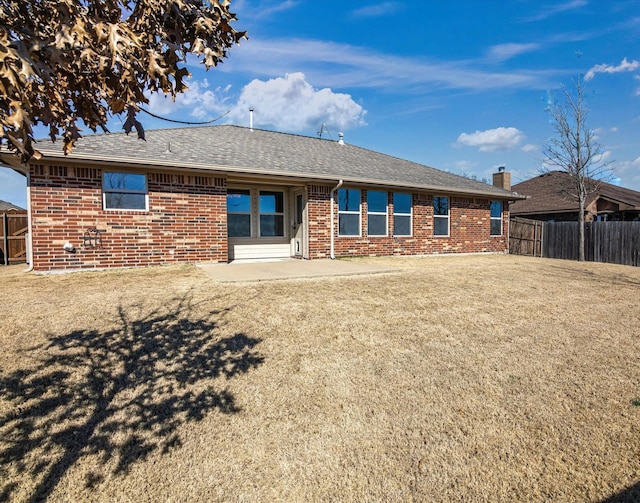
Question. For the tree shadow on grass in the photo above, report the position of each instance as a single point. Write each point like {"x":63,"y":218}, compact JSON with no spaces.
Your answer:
{"x":630,"y":494}
{"x":117,"y":395}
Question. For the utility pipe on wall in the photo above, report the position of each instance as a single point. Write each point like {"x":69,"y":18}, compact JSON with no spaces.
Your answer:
{"x":333,"y":191}
{"x":29,"y":226}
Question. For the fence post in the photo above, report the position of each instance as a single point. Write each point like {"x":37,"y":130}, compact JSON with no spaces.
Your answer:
{"x":5,"y":237}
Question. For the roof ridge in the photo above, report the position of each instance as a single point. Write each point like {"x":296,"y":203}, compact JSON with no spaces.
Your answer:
{"x":98,"y":134}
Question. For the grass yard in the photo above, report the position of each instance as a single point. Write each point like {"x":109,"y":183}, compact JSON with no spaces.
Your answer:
{"x":475,"y":378}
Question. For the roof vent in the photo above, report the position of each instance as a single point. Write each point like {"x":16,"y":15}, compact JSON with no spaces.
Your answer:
{"x":341,"y":138}
{"x":251,"y":118}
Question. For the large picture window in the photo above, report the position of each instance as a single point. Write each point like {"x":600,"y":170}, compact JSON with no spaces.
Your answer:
{"x":349,"y":212}
{"x":376,"y":213}
{"x":440,"y":216}
{"x":496,"y":218}
{"x":271,"y":206}
{"x":401,"y":214}
{"x":124,"y":191}
{"x":239,"y":212}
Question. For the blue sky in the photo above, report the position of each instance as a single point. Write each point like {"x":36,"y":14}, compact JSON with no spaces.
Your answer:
{"x":461,"y":86}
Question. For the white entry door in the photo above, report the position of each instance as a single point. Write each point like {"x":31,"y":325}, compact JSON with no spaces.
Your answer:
{"x":297,"y":223}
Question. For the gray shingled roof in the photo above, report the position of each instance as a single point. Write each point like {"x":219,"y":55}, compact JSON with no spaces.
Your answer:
{"x":5,"y":206}
{"x":227,"y":148}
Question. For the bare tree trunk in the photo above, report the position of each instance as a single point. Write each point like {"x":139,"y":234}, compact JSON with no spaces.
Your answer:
{"x":581,"y":230}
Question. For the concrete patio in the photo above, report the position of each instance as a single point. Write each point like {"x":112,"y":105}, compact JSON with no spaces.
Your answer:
{"x":241,"y":271}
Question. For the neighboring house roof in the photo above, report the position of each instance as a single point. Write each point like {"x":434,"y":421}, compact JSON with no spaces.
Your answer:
{"x":551,"y":193}
{"x":240,"y":150}
{"x":5,"y":206}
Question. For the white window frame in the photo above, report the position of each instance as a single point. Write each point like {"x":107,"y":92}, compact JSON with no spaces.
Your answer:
{"x":260,"y":212}
{"x":442,"y":217}
{"x":379,"y":213}
{"x":250,"y":212}
{"x":345,"y":212}
{"x":144,"y":191}
{"x":254,"y":194}
{"x":400,"y":214}
{"x":493,"y":219}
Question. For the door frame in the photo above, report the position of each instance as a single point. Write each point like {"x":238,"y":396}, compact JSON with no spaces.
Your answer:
{"x":299,"y":229}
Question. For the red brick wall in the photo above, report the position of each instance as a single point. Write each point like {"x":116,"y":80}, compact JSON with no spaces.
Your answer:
{"x":469,"y":228}
{"x":186,"y":221}
{"x":319,"y":221}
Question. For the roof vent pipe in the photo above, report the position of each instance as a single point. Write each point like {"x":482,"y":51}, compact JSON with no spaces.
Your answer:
{"x":341,"y":138}
{"x":251,"y":118}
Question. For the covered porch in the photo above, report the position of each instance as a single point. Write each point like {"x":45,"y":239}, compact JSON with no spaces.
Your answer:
{"x":266,"y":221}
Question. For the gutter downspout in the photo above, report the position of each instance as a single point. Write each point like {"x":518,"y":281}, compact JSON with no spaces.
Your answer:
{"x":333,"y":191}
{"x":29,"y":226}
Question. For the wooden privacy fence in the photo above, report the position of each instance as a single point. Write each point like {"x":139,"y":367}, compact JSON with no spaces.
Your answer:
{"x":614,"y":242}
{"x":13,"y":248}
{"x":525,"y":237}
{"x":611,"y":242}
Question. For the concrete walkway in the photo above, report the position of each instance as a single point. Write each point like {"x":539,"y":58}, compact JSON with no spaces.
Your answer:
{"x":289,"y":269}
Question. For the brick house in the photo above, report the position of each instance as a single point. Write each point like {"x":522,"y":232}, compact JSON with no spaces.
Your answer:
{"x":222,"y":193}
{"x":549,"y":198}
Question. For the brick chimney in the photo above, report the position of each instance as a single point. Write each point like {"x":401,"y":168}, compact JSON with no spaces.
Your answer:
{"x":502,"y":179}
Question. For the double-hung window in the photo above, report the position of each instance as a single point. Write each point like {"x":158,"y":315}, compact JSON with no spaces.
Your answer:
{"x":271,"y":204}
{"x":440,"y":216}
{"x":496,"y":218}
{"x":401,"y":214}
{"x":124,"y":191}
{"x":376,"y":213}
{"x":239,"y":213}
{"x":349,"y":212}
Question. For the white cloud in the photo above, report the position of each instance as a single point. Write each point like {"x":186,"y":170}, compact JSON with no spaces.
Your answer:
{"x":629,"y":173}
{"x":263,"y":9}
{"x":342,"y":65}
{"x":288,"y":103}
{"x":557,"y":9}
{"x":198,"y":104}
{"x":492,"y":140}
{"x":503,"y":52}
{"x":624,"y":66}
{"x":529,"y":147}
{"x":465,"y":165}
{"x":203,"y":101}
{"x":376,"y":10}
{"x":604,"y":157}
{"x":292,"y":104}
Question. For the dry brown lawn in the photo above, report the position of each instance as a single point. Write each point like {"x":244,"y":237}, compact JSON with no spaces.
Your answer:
{"x":477,"y":378}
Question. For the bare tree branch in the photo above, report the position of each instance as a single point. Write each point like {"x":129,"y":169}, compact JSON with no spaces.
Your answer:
{"x":575,"y":150}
